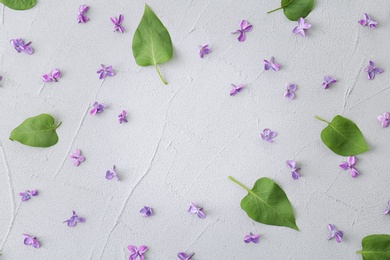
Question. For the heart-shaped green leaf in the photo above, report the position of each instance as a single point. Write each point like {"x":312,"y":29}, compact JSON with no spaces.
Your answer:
{"x":268,"y":204}
{"x":343,"y":137}
{"x":375,"y":247}
{"x":38,"y":131}
{"x":19,"y":4}
{"x":295,"y":9}
{"x":152,"y":43}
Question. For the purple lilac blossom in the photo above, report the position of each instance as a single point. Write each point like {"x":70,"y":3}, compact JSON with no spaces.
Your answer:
{"x":301,"y":27}
{"x":184,"y":256}
{"x":122,"y":117}
{"x":338,"y":234}
{"x":204,"y":50}
{"x":267,"y":135}
{"x":105,"y":71}
{"x":76,"y":157}
{"x":73,"y":220}
{"x":372,"y":70}
{"x":235,"y":89}
{"x":146,"y":211}
{"x":244,"y":28}
{"x":254,"y":238}
{"x":350,"y":165}
{"x":384,"y":119}
{"x":81,"y":18}
{"x":196,"y":210}
{"x":97,"y":108}
{"x":290,"y":89}
{"x":327,"y":81}
{"x":118,"y":23}
{"x":111,"y":174}
{"x":28,"y":194}
{"x":271,"y":64}
{"x":20,"y":46}
{"x":135,"y":252}
{"x":53,"y":76}
{"x":294,"y":169}
{"x":387,"y":211}
{"x":367,"y":21}
{"x":30,"y":241}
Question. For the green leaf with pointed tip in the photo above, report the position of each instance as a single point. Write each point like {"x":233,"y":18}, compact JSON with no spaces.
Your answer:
{"x":38,"y":131}
{"x":152,"y":43}
{"x":267,"y":203}
{"x":375,"y":247}
{"x":19,"y":4}
{"x":343,"y":137}
{"x":295,"y":9}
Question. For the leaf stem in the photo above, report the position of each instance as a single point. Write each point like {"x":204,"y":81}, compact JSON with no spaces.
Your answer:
{"x":239,"y":183}
{"x":162,"y":79}
{"x":58,"y":125}
{"x":283,"y":6}
{"x":323,"y":120}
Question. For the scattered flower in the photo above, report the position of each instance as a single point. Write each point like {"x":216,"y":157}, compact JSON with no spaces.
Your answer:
{"x":111,"y":174}
{"x":335,"y":233}
{"x":372,"y":70}
{"x":350,"y":165}
{"x":235,"y":89}
{"x":134,"y":252}
{"x":290,"y":89}
{"x":20,"y":46}
{"x":118,"y":23}
{"x":184,"y":256}
{"x":368,"y":22}
{"x":73,"y":220}
{"x":81,"y":18}
{"x":77,"y":157}
{"x":122,"y":117}
{"x":244,"y":28}
{"x":97,"y":108}
{"x":251,"y":238}
{"x":267,"y":135}
{"x":30,"y":241}
{"x":384,"y":119}
{"x":301,"y":27}
{"x":28,"y":194}
{"x":387,"y":211}
{"x":1,"y":78}
{"x":294,"y":169}
{"x":105,"y":71}
{"x":146,"y":211}
{"x":204,"y":50}
{"x":271,"y":64}
{"x":196,"y":210}
{"x":327,"y":81}
{"x":53,"y":76}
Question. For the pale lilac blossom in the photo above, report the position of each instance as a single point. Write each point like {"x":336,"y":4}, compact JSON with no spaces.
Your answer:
{"x":74,"y":219}
{"x":204,"y":50}
{"x":76,"y":157}
{"x":384,"y":119}
{"x":97,"y":108}
{"x":301,"y":27}
{"x":111,"y":174}
{"x":235,"y":89}
{"x":196,"y":210}
{"x":372,"y":70}
{"x":349,"y":164}
{"x":267,"y":135}
{"x":81,"y":18}
{"x":28,"y":194}
{"x":135,"y":252}
{"x":271,"y":64}
{"x":184,"y":256}
{"x":53,"y":76}
{"x":20,"y":46}
{"x":244,"y":28}
{"x":105,"y":71}
{"x":290,"y":89}
{"x":294,"y":169}
{"x":387,"y":211}
{"x":118,"y":23}
{"x":122,"y":117}
{"x":327,"y":81}
{"x":338,"y":234}
{"x":367,"y":21}
{"x":30,"y":241}
{"x":146,"y":211}
{"x":254,"y":238}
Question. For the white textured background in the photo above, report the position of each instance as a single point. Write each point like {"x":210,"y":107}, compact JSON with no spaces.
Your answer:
{"x":183,"y":140}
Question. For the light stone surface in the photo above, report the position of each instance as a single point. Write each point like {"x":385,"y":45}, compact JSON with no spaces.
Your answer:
{"x":183,"y":140}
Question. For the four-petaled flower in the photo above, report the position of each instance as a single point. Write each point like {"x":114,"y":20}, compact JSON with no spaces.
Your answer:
{"x":267,"y":135}
{"x":335,"y":233}
{"x":118,"y":23}
{"x":81,"y":18}
{"x":196,"y":210}
{"x":290,"y":89}
{"x":146,"y":211}
{"x":184,"y":256}
{"x":204,"y":50}
{"x":301,"y":27}
{"x":350,"y":165}
{"x":372,"y":70}
{"x":20,"y":46}
{"x":105,"y":71}
{"x":384,"y":119}
{"x":244,"y":28}
{"x":53,"y":76}
{"x":294,"y":169}
{"x":251,"y":238}
{"x":235,"y":89}
{"x":387,"y":211}
{"x":327,"y":81}
{"x":30,"y":241}
{"x":28,"y":194}
{"x":271,"y":64}
{"x":74,"y":219}
{"x":368,"y":22}
{"x":97,"y":108}
{"x":76,"y":157}
{"x":135,"y":252}
{"x":111,"y":174}
{"x":122,"y":117}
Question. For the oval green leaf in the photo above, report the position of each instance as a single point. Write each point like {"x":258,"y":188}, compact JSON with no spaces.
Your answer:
{"x":375,"y":247}
{"x":19,"y":4}
{"x":38,"y":131}
{"x":295,"y":9}
{"x":267,"y":203}
{"x":152,"y":43}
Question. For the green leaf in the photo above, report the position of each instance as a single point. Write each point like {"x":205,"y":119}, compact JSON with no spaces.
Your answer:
{"x":375,"y":247}
{"x":19,"y":4}
{"x":38,"y":131}
{"x":267,"y":203}
{"x":295,"y":9}
{"x":152,"y":44}
{"x":343,"y":137}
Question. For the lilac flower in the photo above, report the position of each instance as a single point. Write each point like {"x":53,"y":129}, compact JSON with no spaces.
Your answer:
{"x":76,"y":157}
{"x":372,"y":70}
{"x":20,"y":46}
{"x":327,"y":81}
{"x":235,"y":89}
{"x":184,"y":256}
{"x":267,"y":135}
{"x":271,"y":64}
{"x":387,"y":211}
{"x":118,"y":23}
{"x":122,"y":117}
{"x":97,"y":108}
{"x":134,"y":252}
{"x":81,"y":18}
{"x":28,"y":194}
{"x":53,"y":76}
{"x":1,"y":78}
{"x":196,"y":210}
{"x":111,"y":174}
{"x":294,"y":169}
{"x":384,"y":119}
{"x":204,"y":50}
{"x":105,"y":71}
{"x":244,"y":27}
{"x":146,"y":211}
{"x":30,"y":241}
{"x":73,"y":220}
{"x":290,"y":89}
{"x":251,"y":238}
{"x":335,"y":233}
{"x":301,"y":27}
{"x":350,"y":165}
{"x":368,"y":22}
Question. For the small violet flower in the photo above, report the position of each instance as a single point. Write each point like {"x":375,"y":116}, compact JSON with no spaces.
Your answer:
{"x":267,"y":135}
{"x":97,"y":108}
{"x":118,"y":23}
{"x":372,"y":70}
{"x":111,"y":174}
{"x":105,"y":71}
{"x":146,"y":211}
{"x":350,"y":165}
{"x":204,"y":50}
{"x":184,"y":256}
{"x":196,"y":210}
{"x":301,"y":27}
{"x":135,"y":252}
{"x":251,"y":238}
{"x":81,"y":18}
{"x":73,"y":220}
{"x":368,"y":22}
{"x":30,"y":241}
{"x":244,"y":28}
{"x":327,"y":81}
{"x":235,"y":89}
{"x":294,"y":169}
{"x":20,"y":46}
{"x":335,"y":233}
{"x":76,"y":157}
{"x":384,"y":119}
{"x":290,"y":89}
{"x":28,"y":194}
{"x":53,"y":76}
{"x":122,"y":117}
{"x":271,"y":65}
{"x":387,"y":211}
